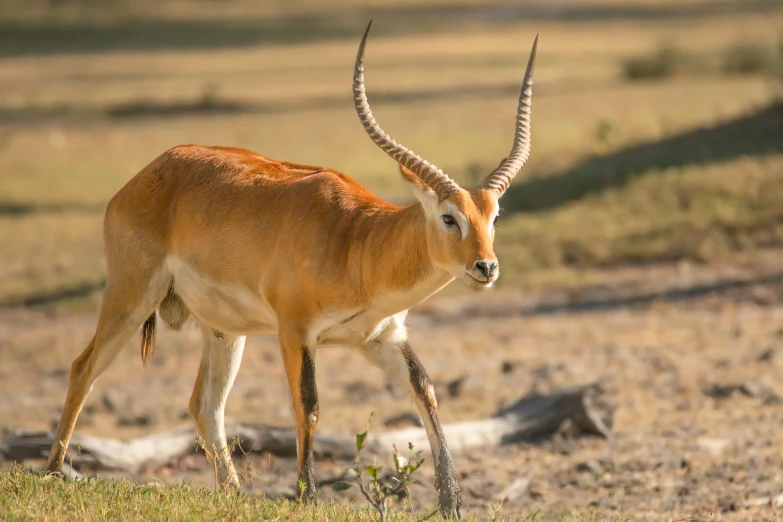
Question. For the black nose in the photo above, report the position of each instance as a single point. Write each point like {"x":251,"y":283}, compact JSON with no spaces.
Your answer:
{"x":486,"y":269}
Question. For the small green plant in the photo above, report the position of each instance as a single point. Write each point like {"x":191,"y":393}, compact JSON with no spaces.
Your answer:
{"x":606,"y":133}
{"x":379,"y":492}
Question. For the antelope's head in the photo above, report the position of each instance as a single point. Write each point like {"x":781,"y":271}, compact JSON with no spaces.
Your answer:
{"x":460,"y":223}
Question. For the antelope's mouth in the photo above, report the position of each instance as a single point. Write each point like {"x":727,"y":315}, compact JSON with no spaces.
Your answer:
{"x":478,"y":284}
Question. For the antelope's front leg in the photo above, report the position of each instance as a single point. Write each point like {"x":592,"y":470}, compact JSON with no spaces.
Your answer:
{"x":300,"y":369}
{"x":397,"y":359}
{"x":423,"y":391}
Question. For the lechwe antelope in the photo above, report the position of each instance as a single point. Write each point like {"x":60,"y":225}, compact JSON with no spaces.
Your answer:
{"x":250,"y":245}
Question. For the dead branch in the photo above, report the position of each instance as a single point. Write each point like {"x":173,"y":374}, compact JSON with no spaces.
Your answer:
{"x":531,"y":418}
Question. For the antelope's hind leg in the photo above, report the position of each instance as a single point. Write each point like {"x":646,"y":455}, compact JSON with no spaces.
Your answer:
{"x":127,"y":303}
{"x":219,"y":366}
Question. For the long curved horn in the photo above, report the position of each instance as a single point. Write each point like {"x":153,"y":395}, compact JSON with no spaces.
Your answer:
{"x":439,"y":182}
{"x":501,"y":178}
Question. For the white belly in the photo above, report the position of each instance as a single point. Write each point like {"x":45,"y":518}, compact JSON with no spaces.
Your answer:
{"x":228,"y":308}
{"x":237,"y":310}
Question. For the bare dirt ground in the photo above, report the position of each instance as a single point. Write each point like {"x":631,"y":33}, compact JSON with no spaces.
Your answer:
{"x":689,"y":357}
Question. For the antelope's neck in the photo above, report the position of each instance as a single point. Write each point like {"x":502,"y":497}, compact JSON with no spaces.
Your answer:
{"x":396,"y":261}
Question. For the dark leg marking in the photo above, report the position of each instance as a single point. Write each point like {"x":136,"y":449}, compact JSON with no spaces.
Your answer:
{"x":309,"y":397}
{"x":418,"y":375}
{"x":307,"y":383}
{"x":445,"y":472}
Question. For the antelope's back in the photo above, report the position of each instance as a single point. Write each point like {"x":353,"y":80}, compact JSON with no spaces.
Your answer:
{"x":239,"y":216}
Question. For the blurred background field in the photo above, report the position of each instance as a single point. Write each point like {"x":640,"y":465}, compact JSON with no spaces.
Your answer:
{"x":656,"y":179}
{"x":655,"y":132}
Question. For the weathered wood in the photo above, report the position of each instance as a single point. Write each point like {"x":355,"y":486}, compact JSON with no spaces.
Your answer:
{"x":530,"y":418}
{"x":515,"y":490}
{"x":162,"y":448}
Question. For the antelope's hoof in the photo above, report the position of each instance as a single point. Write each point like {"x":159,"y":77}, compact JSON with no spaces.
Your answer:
{"x":449,"y":497}
{"x":232,"y":488}
{"x":51,"y":473}
{"x":451,"y":510}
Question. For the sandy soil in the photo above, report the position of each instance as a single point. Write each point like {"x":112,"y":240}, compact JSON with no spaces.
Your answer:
{"x":667,"y":343}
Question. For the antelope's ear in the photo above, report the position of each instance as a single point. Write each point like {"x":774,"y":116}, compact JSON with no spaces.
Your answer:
{"x":421,"y":191}
{"x":412,"y":178}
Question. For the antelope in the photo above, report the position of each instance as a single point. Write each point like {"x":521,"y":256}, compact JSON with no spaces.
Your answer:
{"x":250,"y":245}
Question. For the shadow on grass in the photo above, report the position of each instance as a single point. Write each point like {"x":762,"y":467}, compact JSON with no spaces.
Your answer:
{"x":77,"y":291}
{"x":140,"y":109}
{"x":212,"y":105}
{"x":607,"y":299}
{"x":49,"y":37}
{"x":591,"y":300}
{"x":644,"y":299}
{"x":754,"y":134}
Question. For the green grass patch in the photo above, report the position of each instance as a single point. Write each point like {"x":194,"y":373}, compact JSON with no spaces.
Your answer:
{"x":31,"y":496}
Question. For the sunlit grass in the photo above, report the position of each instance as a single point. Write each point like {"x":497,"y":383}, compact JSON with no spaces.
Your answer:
{"x":25,"y":496}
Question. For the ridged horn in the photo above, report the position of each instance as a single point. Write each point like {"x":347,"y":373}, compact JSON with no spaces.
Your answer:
{"x":520,"y":151}
{"x":439,"y":182}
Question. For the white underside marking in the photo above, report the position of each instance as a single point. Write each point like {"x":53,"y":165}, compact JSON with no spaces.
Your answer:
{"x":228,"y":308}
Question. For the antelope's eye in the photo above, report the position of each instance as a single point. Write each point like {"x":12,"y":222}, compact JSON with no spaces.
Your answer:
{"x":449,"y":220}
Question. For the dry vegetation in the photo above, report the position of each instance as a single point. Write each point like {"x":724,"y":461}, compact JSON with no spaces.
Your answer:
{"x":627,"y":179}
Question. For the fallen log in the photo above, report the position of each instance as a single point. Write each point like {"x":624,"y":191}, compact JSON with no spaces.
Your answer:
{"x":531,"y":418}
